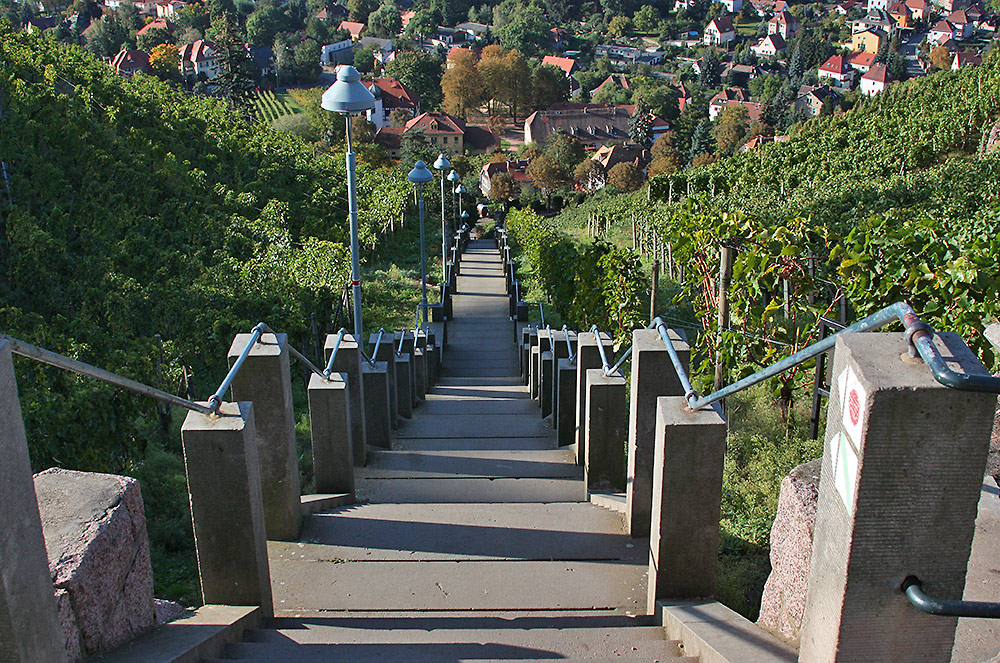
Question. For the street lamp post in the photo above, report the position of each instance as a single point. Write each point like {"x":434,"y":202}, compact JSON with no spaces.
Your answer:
{"x":460,"y":190}
{"x":420,"y":176}
{"x":349,"y":96}
{"x":453,"y":177}
{"x":442,"y":164}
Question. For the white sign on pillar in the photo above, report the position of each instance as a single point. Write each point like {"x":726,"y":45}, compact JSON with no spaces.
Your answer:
{"x":853,"y":399}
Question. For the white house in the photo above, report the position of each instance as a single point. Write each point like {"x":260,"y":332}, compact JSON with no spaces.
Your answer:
{"x":733,"y":6}
{"x":838,"y":71}
{"x":340,"y":53}
{"x":719,"y":31}
{"x":769,"y":46}
{"x":785,"y":24}
{"x":876,"y":80}
{"x":198,"y":59}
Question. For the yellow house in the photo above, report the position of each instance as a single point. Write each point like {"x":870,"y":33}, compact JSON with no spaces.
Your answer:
{"x":870,"y":40}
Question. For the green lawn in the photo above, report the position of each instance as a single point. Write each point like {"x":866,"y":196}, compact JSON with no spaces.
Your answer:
{"x":270,"y":106}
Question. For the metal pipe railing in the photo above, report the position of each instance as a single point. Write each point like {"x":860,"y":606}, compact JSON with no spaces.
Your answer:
{"x":402,"y":339}
{"x":569,"y":346}
{"x":378,"y":342}
{"x":913,"y":588}
{"x":605,"y":364}
{"x":44,"y":356}
{"x":919,"y":336}
{"x":215,"y":402}
{"x":333,"y":355}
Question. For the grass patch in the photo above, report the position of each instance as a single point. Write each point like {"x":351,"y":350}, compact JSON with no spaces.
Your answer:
{"x":761,"y":449}
{"x":269,"y":106}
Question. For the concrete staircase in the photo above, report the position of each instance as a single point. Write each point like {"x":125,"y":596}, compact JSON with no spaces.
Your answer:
{"x":472,"y":539}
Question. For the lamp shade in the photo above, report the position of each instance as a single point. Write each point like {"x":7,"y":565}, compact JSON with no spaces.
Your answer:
{"x":453,"y":176}
{"x":442,"y":163}
{"x":460,"y":190}
{"x":348,"y":94}
{"x":420,"y":174}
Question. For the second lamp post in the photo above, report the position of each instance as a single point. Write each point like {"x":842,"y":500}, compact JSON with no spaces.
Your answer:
{"x":420,"y":176}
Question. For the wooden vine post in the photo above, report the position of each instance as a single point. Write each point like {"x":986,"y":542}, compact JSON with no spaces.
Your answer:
{"x":725,"y":276}
{"x":653,"y":295}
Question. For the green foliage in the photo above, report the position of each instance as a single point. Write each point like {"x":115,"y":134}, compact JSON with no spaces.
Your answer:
{"x":137,"y":212}
{"x":586,"y":285}
{"x":421,"y":73}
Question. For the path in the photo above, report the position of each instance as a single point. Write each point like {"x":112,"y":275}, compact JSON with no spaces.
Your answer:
{"x":475,"y":542}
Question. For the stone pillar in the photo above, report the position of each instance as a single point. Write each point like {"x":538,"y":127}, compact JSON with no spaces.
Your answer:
{"x":220,"y":459}
{"x":534,"y":368}
{"x":587,"y":357}
{"x":652,"y":376}
{"x":386,"y":352}
{"x":266,"y":381}
{"x":409,"y":348}
{"x":546,"y":381}
{"x":524,"y":352}
{"x":565,"y":409}
{"x":403,"y":383}
{"x":330,"y":421}
{"x":903,"y":463}
{"x":419,"y":375}
{"x":606,"y":430}
{"x":29,"y":621}
{"x":687,"y":495}
{"x":375,"y":380}
{"x":348,"y":361}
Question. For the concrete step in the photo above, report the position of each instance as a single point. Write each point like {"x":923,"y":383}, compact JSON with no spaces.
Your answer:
{"x":313,"y":587}
{"x":473,"y":425}
{"x":544,"y":442}
{"x":467,"y":639}
{"x":443,"y":405}
{"x":466,"y":490}
{"x":442,"y":532}
{"x":543,"y":464}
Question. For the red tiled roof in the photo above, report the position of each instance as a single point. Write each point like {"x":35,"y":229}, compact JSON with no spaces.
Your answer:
{"x":198,"y":51}
{"x":130,"y":60}
{"x":835,"y":65}
{"x":861,"y":59}
{"x":722,"y":24}
{"x":879,"y":73}
{"x":354,"y":28}
{"x":160,"y":23}
{"x":437,"y":123}
{"x":566,"y":64}
{"x":395,"y":94}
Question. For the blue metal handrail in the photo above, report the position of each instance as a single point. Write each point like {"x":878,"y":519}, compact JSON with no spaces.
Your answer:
{"x":378,"y":341}
{"x":569,"y":346}
{"x":919,"y":336}
{"x":333,"y":355}
{"x":44,"y":356}
{"x":913,"y":588}
{"x":215,"y":402}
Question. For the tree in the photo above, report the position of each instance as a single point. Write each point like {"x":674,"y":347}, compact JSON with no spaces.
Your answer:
{"x":236,"y":75}
{"x":217,"y":8}
{"x":620,"y":26}
{"x":590,"y":174}
{"x":106,"y":37}
{"x":364,"y":58}
{"x":415,"y":146}
{"x":547,"y":175}
{"x":421,"y":72}
{"x":663,"y":100}
{"x":385,"y":21}
{"x":549,"y":86}
{"x":666,"y":158}
{"x":165,"y":61}
{"x":153,"y":38}
{"x":563,"y":149}
{"x":193,"y":16}
{"x":263,"y":24}
{"x":941,"y":57}
{"x":640,"y":127}
{"x":730,"y":129}
{"x":625,"y":176}
{"x":358,"y":10}
{"x":503,"y":188}
{"x":560,"y":11}
{"x":611,"y":93}
{"x":646,"y":19}
{"x":709,"y":75}
{"x":461,"y":84}
{"x":701,"y":140}
{"x":527,"y":32}
{"x":306,"y":61}
{"x":797,"y":66}
{"x":422,"y":24}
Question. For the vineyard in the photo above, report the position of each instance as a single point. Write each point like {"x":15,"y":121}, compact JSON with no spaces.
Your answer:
{"x":270,"y":106}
